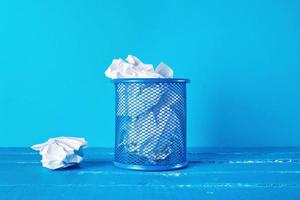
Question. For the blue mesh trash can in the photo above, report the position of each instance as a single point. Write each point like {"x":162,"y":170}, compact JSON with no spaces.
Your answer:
{"x":150,"y":124}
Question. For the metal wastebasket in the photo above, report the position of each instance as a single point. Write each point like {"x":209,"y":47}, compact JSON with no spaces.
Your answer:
{"x":150,"y":123}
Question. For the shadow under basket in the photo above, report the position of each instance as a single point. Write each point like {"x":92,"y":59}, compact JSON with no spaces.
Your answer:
{"x":150,"y":124}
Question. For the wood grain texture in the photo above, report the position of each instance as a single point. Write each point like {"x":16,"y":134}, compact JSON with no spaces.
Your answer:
{"x":224,"y":173}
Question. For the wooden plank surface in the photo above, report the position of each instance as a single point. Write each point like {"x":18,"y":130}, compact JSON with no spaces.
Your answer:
{"x":246,"y":173}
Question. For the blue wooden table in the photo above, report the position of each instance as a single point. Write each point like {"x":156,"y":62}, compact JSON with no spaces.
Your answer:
{"x":265,"y":173}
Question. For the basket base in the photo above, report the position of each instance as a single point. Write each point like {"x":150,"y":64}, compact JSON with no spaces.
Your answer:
{"x":151,"y":168}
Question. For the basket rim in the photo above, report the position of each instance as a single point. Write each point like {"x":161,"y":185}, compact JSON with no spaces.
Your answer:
{"x":151,"y":80}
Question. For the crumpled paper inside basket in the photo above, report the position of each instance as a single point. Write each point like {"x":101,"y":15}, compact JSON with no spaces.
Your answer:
{"x":61,"y":152}
{"x":152,"y":133}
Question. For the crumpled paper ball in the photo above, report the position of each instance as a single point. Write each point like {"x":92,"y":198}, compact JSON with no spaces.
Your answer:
{"x":61,"y":152}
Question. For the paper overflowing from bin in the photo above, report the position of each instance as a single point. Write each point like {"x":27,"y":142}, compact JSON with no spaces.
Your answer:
{"x":134,"y":68}
{"x":61,"y":152}
{"x":153,"y":124}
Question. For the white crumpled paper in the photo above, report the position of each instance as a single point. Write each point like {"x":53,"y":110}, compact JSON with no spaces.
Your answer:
{"x":153,"y":124}
{"x":61,"y":152}
{"x":134,"y":68}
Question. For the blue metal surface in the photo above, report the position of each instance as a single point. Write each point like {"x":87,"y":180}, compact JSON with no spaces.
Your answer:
{"x":246,"y":173}
{"x":150,"y":124}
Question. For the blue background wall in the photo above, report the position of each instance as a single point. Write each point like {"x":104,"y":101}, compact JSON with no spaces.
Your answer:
{"x":242,"y":57}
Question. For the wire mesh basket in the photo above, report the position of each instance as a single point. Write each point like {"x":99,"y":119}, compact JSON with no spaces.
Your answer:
{"x":150,"y":124}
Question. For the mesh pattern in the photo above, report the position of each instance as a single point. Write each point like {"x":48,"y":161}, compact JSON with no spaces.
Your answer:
{"x":150,"y":123}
